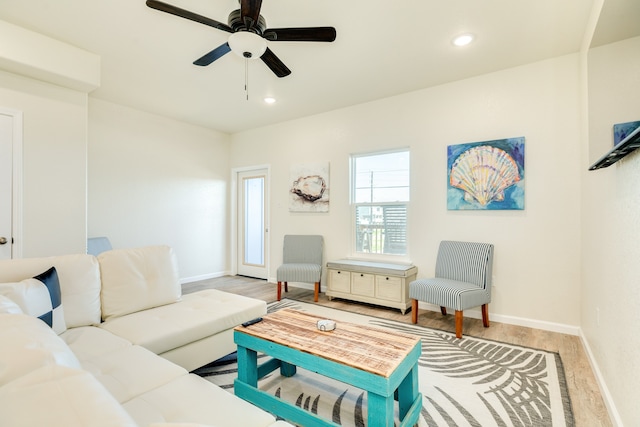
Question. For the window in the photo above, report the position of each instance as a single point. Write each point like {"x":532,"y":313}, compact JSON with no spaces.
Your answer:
{"x":380,"y":195}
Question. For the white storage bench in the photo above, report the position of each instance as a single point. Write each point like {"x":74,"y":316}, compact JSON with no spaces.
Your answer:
{"x":377,"y":283}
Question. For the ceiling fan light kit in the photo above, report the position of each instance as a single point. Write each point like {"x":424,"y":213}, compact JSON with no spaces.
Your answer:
{"x":249,"y":34}
{"x":247,"y":45}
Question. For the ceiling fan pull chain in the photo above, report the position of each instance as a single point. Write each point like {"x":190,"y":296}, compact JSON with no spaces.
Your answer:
{"x":246,"y":77}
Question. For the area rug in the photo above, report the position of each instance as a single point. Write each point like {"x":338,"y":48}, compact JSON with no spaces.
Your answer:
{"x":464,"y":382}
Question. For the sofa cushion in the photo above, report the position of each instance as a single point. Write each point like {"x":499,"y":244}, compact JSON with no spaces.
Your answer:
{"x":199,"y":315}
{"x":192,"y":399}
{"x":8,"y":306}
{"x":132,"y":371}
{"x":60,"y":396}
{"x":39,"y":297}
{"x":28,"y":344}
{"x":89,"y":342}
{"x":79,"y":277}
{"x":138,"y":279}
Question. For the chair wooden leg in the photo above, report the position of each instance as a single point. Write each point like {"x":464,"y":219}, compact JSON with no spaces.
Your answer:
{"x":414,"y":311}
{"x":443,"y":310}
{"x":316,"y":292}
{"x":279,"y":290}
{"x":458,"y":323}
{"x":485,"y":315}
{"x":286,"y":286}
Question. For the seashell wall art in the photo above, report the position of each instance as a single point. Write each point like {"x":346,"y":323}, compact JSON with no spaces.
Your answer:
{"x":309,"y":187}
{"x":486,"y":175}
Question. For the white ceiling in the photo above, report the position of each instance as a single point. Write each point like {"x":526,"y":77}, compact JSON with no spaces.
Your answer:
{"x":383,"y":48}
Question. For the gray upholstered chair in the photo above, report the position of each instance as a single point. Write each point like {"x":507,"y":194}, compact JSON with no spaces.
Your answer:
{"x":301,"y":262}
{"x":462,"y":281}
{"x":97,"y":245}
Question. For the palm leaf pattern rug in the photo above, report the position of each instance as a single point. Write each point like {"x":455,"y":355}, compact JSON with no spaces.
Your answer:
{"x":464,"y":382}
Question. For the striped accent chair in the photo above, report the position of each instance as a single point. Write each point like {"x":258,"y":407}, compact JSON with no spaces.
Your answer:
{"x":97,"y":245}
{"x":463,"y":280}
{"x":301,"y":262}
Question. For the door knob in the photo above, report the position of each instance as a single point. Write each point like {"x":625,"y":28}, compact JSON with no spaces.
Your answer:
{"x":3,"y":240}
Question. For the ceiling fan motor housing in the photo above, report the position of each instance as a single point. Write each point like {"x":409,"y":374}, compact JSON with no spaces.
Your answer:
{"x":237,"y":23}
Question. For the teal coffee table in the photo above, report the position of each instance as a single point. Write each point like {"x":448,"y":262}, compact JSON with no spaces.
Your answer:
{"x":381,"y":362}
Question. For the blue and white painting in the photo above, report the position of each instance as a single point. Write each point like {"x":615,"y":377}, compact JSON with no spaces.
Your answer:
{"x":486,"y":175}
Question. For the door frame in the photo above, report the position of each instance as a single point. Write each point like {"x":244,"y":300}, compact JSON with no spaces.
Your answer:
{"x":233,"y":250}
{"x":16,"y":180}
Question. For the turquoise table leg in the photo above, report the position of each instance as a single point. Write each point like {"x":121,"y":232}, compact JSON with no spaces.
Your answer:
{"x":380,"y":410}
{"x":408,"y":391}
{"x":287,"y":369}
{"x":247,"y":366}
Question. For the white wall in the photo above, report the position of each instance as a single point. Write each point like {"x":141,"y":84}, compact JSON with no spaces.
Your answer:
{"x":611,"y":228}
{"x":154,"y":180}
{"x":54,"y":158}
{"x":537,"y":251}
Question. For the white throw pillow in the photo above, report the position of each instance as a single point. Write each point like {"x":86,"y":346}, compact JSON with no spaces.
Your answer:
{"x":138,"y":279}
{"x":28,"y":344}
{"x":39,"y":297}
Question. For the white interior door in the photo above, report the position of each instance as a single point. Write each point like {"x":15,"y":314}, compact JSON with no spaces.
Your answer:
{"x":252,"y":223}
{"x":6,"y":185}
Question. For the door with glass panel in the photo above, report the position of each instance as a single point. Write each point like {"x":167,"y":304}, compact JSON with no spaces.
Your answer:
{"x":252,"y":223}
{"x":6,"y":185}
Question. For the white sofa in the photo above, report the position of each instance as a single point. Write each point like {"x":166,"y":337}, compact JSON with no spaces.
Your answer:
{"x":120,"y":346}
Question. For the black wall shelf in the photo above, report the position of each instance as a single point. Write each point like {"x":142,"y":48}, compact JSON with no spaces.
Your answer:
{"x":626,"y":146}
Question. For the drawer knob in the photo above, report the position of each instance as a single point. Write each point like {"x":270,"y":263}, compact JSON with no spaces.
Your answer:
{"x":361,"y":275}
{"x":387,"y":278}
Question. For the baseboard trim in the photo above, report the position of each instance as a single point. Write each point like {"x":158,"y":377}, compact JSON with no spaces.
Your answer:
{"x":477,"y":314}
{"x":514,"y":320}
{"x":203,"y":277}
{"x":604,"y":390}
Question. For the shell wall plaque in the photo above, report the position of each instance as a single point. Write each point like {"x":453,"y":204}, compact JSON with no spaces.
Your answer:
{"x":486,"y":175}
{"x":309,"y":187}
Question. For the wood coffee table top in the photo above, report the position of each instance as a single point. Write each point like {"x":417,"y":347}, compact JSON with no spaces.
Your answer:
{"x":367,"y":348}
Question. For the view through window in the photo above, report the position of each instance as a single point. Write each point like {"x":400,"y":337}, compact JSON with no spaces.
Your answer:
{"x":380,"y":195}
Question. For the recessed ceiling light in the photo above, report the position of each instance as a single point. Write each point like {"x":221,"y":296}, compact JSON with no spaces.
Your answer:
{"x":270,"y":100}
{"x":463,"y":40}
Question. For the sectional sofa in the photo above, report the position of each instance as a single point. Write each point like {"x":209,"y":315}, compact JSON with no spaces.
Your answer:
{"x":110,"y":341}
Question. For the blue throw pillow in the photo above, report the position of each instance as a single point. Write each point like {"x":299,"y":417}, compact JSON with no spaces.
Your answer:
{"x":55,"y":317}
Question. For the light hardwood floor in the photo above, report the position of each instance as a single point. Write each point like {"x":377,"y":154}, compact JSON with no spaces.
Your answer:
{"x":588,"y":406}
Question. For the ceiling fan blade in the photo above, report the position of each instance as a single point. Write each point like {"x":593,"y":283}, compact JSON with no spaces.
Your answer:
{"x":216,"y":53}
{"x":174,"y":10}
{"x":250,"y":12}
{"x":274,"y":63}
{"x":309,"y":34}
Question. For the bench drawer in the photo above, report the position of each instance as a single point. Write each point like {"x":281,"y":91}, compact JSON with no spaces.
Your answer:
{"x":340,"y":281}
{"x":389,"y":288}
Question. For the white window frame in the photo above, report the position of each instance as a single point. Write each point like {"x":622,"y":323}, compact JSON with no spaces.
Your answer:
{"x":353,"y":235}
